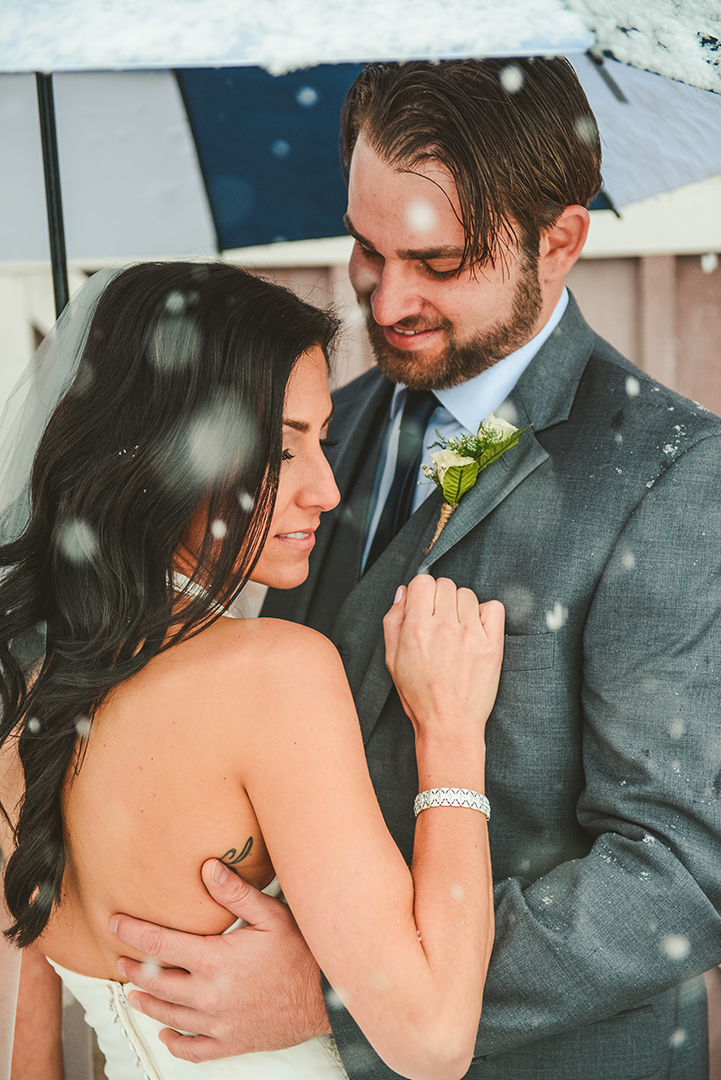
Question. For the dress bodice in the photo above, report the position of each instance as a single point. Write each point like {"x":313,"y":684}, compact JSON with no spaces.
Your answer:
{"x":129,"y":1039}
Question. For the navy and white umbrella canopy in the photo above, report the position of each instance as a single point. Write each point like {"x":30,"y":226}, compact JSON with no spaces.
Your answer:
{"x":186,"y":128}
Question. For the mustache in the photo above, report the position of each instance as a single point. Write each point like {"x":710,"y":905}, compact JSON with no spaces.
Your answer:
{"x":410,"y":322}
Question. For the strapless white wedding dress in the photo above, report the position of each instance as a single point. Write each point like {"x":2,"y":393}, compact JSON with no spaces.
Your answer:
{"x":129,"y":1040}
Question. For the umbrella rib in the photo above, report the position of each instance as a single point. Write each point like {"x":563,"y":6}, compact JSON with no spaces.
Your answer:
{"x":608,"y":78}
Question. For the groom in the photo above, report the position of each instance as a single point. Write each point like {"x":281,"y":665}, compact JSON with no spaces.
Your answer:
{"x":599,"y":531}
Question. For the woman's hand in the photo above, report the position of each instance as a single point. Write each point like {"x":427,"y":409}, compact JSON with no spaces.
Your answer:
{"x":444,"y":652}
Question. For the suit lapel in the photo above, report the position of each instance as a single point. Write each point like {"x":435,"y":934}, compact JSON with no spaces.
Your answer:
{"x":493,"y":485}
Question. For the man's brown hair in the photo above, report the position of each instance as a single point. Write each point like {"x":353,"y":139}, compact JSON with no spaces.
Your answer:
{"x":518,"y":137}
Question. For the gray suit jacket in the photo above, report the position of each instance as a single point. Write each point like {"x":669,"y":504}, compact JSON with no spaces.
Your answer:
{"x":601,"y":533}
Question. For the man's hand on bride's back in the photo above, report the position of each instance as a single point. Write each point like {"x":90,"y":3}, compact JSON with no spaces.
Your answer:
{"x":256,"y":988}
{"x":444,"y":652}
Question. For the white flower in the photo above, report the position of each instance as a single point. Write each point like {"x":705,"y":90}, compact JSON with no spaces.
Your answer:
{"x":504,"y":429}
{"x":445,"y":459}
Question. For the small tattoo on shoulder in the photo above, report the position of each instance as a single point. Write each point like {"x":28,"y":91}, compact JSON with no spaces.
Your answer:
{"x":233,"y":856}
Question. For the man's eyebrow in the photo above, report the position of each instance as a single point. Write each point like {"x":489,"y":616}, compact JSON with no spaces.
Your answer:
{"x":448,"y":251}
{"x":355,"y":234}
{"x":303,"y":425}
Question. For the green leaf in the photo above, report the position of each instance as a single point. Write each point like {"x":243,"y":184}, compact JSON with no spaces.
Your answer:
{"x":493,"y":452}
{"x":458,"y":480}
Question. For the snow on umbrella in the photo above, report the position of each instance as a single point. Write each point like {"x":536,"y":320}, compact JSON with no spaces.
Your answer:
{"x":267,"y":164}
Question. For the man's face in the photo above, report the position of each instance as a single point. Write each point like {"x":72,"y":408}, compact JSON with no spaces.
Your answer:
{"x":431,"y":325}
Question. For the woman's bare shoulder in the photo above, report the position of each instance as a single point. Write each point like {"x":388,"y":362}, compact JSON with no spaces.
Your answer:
{"x":273,"y":654}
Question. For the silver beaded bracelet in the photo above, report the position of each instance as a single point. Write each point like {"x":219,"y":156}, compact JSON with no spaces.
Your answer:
{"x":452,"y":796}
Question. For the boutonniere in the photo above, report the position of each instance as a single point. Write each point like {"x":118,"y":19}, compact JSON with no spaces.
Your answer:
{"x":457,"y":464}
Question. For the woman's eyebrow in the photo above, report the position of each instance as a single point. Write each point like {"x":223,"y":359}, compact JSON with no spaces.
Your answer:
{"x":303,"y":425}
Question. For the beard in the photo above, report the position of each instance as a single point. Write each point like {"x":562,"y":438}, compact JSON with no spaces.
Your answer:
{"x":460,"y":360}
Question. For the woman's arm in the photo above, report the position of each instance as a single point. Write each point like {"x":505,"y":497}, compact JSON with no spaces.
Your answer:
{"x":37,"y":1048}
{"x":406,"y":954}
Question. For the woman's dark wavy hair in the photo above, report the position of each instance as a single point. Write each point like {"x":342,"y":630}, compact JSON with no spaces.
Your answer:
{"x":518,"y":136}
{"x":177,"y":404}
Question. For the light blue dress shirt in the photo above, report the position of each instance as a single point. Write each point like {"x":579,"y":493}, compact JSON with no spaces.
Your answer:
{"x":461,"y":410}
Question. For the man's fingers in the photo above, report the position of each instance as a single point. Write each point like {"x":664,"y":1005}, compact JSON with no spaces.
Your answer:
{"x":169,"y":947}
{"x":167,"y":983}
{"x":175,"y":1016}
{"x":240,"y":898}
{"x":195,"y":1048}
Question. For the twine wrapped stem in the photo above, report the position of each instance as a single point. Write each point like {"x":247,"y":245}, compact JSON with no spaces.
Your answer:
{"x":445,"y":516}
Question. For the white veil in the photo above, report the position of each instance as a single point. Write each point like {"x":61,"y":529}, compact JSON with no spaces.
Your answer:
{"x":33,"y":399}
{"x":24,"y":419}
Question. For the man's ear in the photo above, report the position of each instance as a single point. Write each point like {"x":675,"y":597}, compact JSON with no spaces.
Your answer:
{"x":561,"y":244}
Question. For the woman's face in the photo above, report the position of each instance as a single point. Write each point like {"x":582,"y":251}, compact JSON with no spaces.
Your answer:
{"x":306,"y":487}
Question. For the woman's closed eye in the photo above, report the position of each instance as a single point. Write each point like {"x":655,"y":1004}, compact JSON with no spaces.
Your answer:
{"x":326,"y":444}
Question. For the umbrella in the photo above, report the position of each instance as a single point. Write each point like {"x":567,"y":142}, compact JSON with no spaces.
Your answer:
{"x":253,"y":132}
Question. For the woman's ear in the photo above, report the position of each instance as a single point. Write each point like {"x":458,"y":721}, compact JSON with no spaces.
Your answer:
{"x":562,"y":243}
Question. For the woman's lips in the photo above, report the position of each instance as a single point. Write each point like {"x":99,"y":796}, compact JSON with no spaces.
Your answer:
{"x":401,"y":338}
{"x":301,"y":540}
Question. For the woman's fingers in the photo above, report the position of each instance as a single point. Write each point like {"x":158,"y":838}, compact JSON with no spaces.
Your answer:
{"x":468,"y":608}
{"x":392,"y":624}
{"x":493,"y":619}
{"x":445,"y":603}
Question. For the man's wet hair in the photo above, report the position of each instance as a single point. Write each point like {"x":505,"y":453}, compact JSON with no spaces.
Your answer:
{"x":517,"y":135}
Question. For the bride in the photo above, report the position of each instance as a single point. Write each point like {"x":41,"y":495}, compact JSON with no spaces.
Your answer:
{"x":144,"y":731}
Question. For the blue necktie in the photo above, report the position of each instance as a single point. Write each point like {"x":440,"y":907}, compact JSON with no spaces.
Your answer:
{"x":418,"y":408}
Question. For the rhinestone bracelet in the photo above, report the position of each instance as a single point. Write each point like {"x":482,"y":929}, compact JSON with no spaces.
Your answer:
{"x":452,"y":796}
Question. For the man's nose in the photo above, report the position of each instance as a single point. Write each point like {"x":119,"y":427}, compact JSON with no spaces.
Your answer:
{"x":395,"y":296}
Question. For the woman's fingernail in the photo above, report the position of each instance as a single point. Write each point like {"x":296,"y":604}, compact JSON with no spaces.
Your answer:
{"x":220,"y":872}
{"x":399,"y":595}
{"x":134,"y":1001}
{"x":121,"y":968}
{"x":113,"y":925}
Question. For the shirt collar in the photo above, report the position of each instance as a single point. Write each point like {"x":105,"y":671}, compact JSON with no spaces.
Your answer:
{"x":470,"y":402}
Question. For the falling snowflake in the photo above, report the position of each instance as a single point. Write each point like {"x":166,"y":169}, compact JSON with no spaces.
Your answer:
{"x":175,"y":341}
{"x":82,"y":726}
{"x":557,"y":617}
{"x":77,"y":541}
{"x":511,"y":78}
{"x":421,"y":215}
{"x":676,"y":946}
{"x":307,"y":96}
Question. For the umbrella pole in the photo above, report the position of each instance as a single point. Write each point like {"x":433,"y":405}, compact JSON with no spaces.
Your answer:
{"x":51,"y":167}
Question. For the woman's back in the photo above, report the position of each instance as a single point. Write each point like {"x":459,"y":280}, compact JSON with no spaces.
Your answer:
{"x":159,"y":792}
